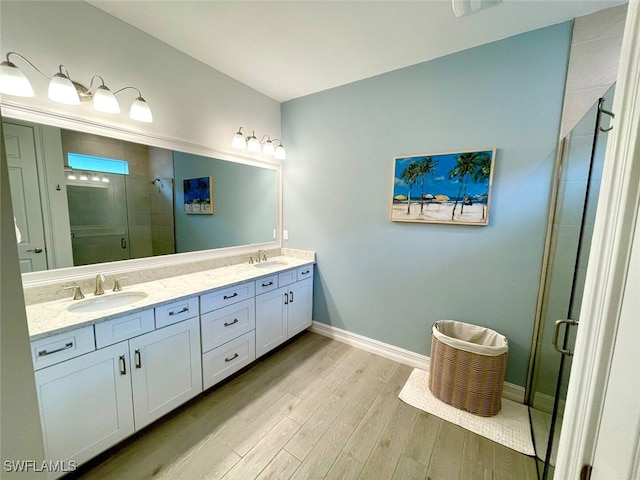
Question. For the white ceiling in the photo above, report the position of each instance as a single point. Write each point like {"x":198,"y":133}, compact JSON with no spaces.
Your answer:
{"x":288,"y":49}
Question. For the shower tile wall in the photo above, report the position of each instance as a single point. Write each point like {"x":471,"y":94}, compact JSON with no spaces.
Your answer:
{"x":161,"y":194}
{"x":138,"y":188}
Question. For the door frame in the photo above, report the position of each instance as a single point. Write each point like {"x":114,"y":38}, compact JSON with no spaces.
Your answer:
{"x":609,"y":260}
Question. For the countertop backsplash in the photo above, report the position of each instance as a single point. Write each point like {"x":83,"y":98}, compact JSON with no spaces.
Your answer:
{"x":45,"y":293}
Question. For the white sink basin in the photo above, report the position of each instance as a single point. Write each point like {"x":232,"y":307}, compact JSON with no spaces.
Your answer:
{"x":107,"y":301}
{"x":270,"y":264}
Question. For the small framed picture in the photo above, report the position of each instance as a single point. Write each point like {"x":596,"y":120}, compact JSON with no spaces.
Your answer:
{"x":198,"y":195}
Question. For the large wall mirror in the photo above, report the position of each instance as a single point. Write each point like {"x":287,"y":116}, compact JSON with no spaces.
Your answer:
{"x":88,"y":198}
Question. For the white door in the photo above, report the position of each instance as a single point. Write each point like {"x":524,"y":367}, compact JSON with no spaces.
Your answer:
{"x":166,"y":369}
{"x":299,"y":308}
{"x":617,"y":454}
{"x":85,"y":404}
{"x":25,"y":196}
{"x":271,"y":320}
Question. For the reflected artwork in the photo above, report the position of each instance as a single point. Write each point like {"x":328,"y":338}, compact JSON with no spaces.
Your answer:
{"x":198,"y":195}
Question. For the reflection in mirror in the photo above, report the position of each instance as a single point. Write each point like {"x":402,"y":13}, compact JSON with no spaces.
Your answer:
{"x":70,"y":216}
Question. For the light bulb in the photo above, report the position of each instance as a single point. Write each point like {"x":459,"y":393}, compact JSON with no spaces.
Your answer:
{"x":13,"y":81}
{"x":239,"y":141}
{"x":140,"y":111}
{"x":105,"y":101}
{"x":253,"y":145}
{"x":280,"y":153}
{"x":268,"y":148}
{"x":62,"y":90}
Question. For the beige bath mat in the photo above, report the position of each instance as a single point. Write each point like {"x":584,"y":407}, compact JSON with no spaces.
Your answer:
{"x":510,"y":427}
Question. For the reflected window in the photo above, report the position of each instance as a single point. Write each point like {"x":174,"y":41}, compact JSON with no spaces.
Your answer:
{"x":78,"y":161}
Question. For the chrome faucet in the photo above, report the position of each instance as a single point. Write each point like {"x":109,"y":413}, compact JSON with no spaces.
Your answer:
{"x":264,"y":256}
{"x":100,"y":279}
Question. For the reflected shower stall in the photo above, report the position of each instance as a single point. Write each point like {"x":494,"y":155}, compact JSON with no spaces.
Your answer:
{"x":571,"y":221}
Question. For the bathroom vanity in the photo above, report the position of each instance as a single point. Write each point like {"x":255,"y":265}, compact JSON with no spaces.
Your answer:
{"x":104,"y":372}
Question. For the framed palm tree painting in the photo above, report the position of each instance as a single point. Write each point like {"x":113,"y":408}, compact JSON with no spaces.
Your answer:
{"x":453,"y":188}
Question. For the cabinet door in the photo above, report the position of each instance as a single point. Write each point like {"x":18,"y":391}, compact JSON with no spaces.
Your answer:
{"x":166,"y":369}
{"x":271,"y":320}
{"x":85,"y":404}
{"x":299,"y":307}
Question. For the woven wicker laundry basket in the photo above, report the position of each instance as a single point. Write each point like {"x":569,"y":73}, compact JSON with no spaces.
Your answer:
{"x":467,"y":366}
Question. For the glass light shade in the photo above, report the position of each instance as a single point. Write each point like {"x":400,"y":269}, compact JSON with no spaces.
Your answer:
{"x":104,"y":180}
{"x":71,"y":176}
{"x":61,"y":90}
{"x":239,"y":141}
{"x":140,"y":111}
{"x":95,"y":178}
{"x":84,"y":177}
{"x":105,"y":101}
{"x":253,"y":145}
{"x":268,"y":148}
{"x":280,"y":153}
{"x":13,"y":81}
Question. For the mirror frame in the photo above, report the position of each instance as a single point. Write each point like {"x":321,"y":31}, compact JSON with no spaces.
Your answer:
{"x":16,"y":111}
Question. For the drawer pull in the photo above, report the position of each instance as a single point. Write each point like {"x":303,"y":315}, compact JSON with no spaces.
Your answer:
{"x":185,"y":309}
{"x":235,"y":355}
{"x":227,"y":297}
{"x":286,"y":299}
{"x":138,"y":358}
{"x":235,"y":320}
{"x":123,"y":365}
{"x":43,"y":353}
{"x":291,"y":298}
{"x":305,"y":272}
{"x":267,"y":284}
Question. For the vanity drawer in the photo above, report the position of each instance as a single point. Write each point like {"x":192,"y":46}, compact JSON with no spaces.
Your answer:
{"x":267,"y":283}
{"x":221,"y":362}
{"x":226,"y":296}
{"x":176,"y":312}
{"x":305,"y":272}
{"x":287,"y":277}
{"x":123,"y":328}
{"x":57,"y":348}
{"x":225,"y":324}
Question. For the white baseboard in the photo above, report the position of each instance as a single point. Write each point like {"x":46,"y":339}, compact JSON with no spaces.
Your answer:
{"x":510,"y":391}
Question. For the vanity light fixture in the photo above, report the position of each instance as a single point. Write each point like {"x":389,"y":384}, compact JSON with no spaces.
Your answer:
{"x":252,"y":144}
{"x":63,"y":89}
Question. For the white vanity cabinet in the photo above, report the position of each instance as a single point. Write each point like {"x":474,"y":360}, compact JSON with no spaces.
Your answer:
{"x":227,"y":324}
{"x":93,"y":401}
{"x":85,"y":404}
{"x":165,"y":370}
{"x":286,"y":311}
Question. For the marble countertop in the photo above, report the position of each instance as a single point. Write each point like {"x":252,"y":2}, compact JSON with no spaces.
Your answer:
{"x":50,"y":318}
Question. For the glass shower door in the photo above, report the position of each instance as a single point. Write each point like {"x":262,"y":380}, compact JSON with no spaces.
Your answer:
{"x":572,"y":228}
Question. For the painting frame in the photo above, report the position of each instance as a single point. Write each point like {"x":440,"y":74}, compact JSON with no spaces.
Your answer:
{"x":198,"y":195}
{"x":448,"y":182}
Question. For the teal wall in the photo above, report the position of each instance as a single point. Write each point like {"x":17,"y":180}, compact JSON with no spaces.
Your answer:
{"x":391,"y":281}
{"x":244,"y":204}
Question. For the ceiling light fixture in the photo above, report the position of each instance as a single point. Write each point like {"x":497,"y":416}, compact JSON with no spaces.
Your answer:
{"x":252,"y":144}
{"x":63,"y":89}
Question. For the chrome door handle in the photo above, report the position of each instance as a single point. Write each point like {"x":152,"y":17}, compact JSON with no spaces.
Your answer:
{"x":556,"y":334}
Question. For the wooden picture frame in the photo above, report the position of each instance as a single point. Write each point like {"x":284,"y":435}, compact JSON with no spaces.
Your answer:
{"x":450,"y":188}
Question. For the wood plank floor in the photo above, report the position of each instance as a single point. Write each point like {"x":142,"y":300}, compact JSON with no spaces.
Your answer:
{"x":316,"y":408}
